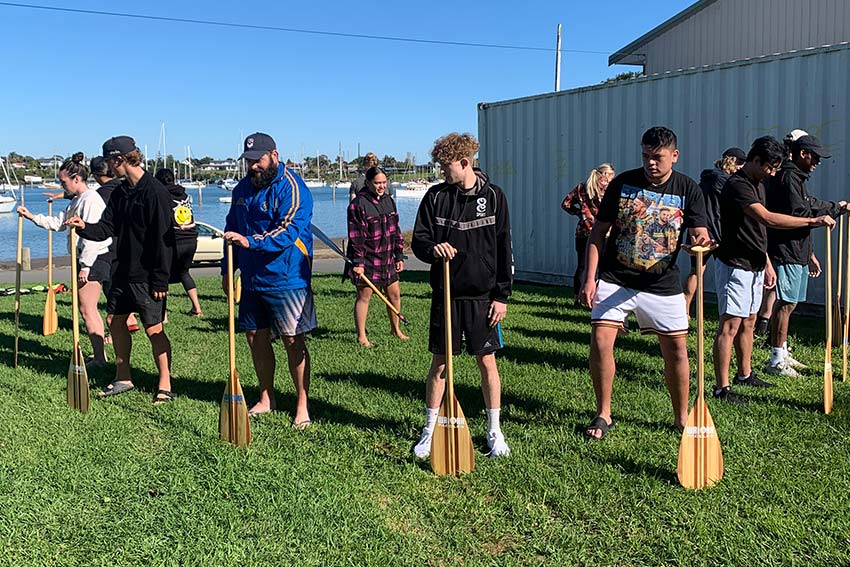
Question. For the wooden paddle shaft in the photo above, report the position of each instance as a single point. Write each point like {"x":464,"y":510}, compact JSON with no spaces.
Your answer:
{"x":18,"y":285}
{"x":381,"y":295}
{"x":75,"y":301}
{"x":50,"y":248}
{"x":231,"y":317}
{"x":700,"y":331}
{"x":840,"y":255}
{"x":450,"y":386}
{"x":846,"y":326}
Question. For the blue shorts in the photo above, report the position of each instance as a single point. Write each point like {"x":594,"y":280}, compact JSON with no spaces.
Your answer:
{"x":287,"y":312}
{"x":792,"y":282}
{"x":739,"y":291}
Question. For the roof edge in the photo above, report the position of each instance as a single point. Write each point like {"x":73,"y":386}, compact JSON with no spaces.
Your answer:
{"x":621,"y":54}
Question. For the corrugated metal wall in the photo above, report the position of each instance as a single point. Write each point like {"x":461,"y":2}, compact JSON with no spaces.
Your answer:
{"x":730,"y":30}
{"x":538,"y":148}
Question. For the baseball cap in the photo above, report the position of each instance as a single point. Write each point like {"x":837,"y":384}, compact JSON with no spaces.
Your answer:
{"x":256,"y":145}
{"x":736,"y":153}
{"x":811,"y":145}
{"x":795,"y":134}
{"x":118,"y":146}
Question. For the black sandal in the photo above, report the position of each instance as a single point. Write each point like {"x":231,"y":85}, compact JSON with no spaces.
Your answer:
{"x":600,"y":424}
{"x":163,"y":397}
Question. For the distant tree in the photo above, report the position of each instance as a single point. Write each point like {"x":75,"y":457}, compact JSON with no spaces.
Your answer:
{"x":627,"y":76}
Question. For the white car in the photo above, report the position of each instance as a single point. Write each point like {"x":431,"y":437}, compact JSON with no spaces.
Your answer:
{"x":210,"y":244}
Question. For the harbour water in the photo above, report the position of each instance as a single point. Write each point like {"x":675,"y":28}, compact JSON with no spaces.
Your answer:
{"x":329,"y":214}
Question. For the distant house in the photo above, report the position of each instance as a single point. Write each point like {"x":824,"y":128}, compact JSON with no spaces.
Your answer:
{"x":19,"y":165}
{"x":228,"y":164}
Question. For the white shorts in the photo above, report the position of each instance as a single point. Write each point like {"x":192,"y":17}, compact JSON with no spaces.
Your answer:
{"x":658,"y":314}
{"x":738,"y":291}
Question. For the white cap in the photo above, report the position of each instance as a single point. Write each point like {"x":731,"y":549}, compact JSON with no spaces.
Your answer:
{"x":794,"y":135}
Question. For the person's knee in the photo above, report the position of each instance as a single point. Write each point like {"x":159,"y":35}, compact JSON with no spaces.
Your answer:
{"x":729,"y":327}
{"x":602,"y":341}
{"x":675,"y":350}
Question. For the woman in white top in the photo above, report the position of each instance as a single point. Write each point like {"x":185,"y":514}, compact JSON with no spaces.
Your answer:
{"x":94,"y":265}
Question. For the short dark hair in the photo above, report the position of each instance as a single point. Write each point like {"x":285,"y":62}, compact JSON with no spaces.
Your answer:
{"x":659,"y":137}
{"x":768,"y":150}
{"x":373,"y":172}
{"x":165,"y":176}
{"x":99,"y":167}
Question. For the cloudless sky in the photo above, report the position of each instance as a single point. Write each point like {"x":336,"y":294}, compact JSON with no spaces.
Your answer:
{"x":71,"y":81}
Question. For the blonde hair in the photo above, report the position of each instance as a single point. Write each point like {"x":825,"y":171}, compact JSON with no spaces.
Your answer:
{"x":454,"y":147}
{"x":729,"y":164}
{"x":370,"y":160}
{"x":592,"y":184}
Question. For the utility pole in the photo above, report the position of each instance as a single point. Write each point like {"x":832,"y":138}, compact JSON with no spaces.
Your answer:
{"x":558,"y":62}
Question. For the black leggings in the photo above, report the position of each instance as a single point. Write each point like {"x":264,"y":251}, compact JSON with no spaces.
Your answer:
{"x":184,"y":251}
{"x":581,"y":246}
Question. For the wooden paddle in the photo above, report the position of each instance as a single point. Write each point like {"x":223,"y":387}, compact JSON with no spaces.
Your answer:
{"x":233,"y":423}
{"x":50,"y":322}
{"x":392,"y":308}
{"x":827,"y":360}
{"x":18,"y":261}
{"x":238,"y":294}
{"x":700,"y":456}
{"x":837,"y":317}
{"x":451,"y":449}
{"x":846,"y":326}
{"x":77,"y":391}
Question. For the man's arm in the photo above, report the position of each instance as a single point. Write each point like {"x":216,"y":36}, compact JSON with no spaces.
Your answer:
{"x":504,"y":253}
{"x":423,"y":241}
{"x":758,"y":212}
{"x":357,"y":228}
{"x":595,"y":242}
{"x":297,"y":208}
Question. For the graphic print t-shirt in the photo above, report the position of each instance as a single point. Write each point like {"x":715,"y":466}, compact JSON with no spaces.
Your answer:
{"x":647,"y":225}
{"x":745,"y":246}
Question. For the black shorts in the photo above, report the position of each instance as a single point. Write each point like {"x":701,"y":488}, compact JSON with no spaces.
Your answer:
{"x":469,"y":317}
{"x":101,"y":270}
{"x":128,"y":297}
{"x":706,"y":256}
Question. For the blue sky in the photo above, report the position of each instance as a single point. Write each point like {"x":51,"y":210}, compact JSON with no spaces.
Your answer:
{"x":73,"y":80}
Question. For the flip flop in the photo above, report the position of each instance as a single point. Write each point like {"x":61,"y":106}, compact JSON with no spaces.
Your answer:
{"x":600,"y":424}
{"x":301,"y":425}
{"x":163,"y":397}
{"x":115,"y":387}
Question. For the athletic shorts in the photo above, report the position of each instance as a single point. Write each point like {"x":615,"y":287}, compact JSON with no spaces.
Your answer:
{"x":470,"y":321}
{"x":286,"y":312}
{"x":657,"y":314}
{"x":706,"y":256}
{"x":739,"y":291}
{"x":792,"y":282}
{"x":129,"y":297}
{"x":101,"y":270}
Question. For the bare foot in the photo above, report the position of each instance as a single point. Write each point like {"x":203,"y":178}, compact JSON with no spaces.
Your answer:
{"x":364,"y":342}
{"x":401,"y":336}
{"x":261,"y":408}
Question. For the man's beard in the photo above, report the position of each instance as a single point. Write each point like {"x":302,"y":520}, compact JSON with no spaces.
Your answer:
{"x":262,"y":178}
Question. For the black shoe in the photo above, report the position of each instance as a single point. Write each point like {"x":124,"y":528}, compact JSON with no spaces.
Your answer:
{"x":752,"y":380}
{"x":727,"y":395}
{"x":761,"y":326}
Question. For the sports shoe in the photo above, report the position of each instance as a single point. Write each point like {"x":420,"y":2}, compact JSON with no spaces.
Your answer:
{"x":752,"y":380}
{"x":727,"y":395}
{"x":794,"y":363}
{"x":423,"y":448}
{"x":781,"y":368}
{"x":498,"y":447}
{"x":761,"y":327}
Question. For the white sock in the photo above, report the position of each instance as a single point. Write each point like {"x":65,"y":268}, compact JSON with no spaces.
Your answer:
{"x":785,"y":349}
{"x":431,"y":418}
{"x":777,"y":355}
{"x":493,"y":420}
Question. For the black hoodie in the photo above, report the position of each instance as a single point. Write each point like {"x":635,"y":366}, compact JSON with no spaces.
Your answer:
{"x":477,"y":223}
{"x":711,"y":181}
{"x":786,"y":193}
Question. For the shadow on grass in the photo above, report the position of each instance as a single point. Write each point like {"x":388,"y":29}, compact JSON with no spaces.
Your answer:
{"x":633,"y":467}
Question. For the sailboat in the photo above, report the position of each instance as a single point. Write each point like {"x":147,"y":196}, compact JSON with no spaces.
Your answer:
{"x":8,"y":197}
{"x":189,"y":183}
{"x":315,"y":183}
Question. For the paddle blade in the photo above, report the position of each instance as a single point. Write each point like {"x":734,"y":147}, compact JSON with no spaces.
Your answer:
{"x":700,"y":456}
{"x":827,"y":387}
{"x":233,"y":423}
{"x":451,"y":449}
{"x":50,"y":321}
{"x":77,"y":389}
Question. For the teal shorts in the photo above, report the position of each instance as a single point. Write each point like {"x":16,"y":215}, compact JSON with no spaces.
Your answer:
{"x":792,"y":282}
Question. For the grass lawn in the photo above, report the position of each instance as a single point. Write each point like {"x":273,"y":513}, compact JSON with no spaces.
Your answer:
{"x":130,"y":484}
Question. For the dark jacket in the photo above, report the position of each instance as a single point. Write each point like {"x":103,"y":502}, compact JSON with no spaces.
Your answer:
{"x":182,"y":216}
{"x":478,"y":225}
{"x":711,"y":181}
{"x":787,"y":194}
{"x":140,"y":218}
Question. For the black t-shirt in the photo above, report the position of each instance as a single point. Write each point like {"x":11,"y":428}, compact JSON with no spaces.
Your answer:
{"x":647,"y":226}
{"x":744,"y":242}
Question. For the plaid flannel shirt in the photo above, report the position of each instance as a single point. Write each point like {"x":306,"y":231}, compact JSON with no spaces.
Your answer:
{"x":374,"y":237}
{"x":579,"y":203}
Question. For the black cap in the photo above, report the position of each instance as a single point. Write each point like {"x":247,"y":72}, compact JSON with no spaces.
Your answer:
{"x":811,"y":145}
{"x":118,"y":146}
{"x":256,"y":145}
{"x":736,"y":153}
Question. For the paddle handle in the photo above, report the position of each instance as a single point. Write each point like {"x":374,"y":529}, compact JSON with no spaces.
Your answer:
{"x":75,"y":300}
{"x":50,"y":248}
{"x":18,"y":266}
{"x":700,"y":329}
{"x":447,"y":304}
{"x":231,"y":316}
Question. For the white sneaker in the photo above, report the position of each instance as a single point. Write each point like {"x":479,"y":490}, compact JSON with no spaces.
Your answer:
{"x":794,"y":363}
{"x":781,"y":368}
{"x":498,"y":447}
{"x":423,"y":448}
